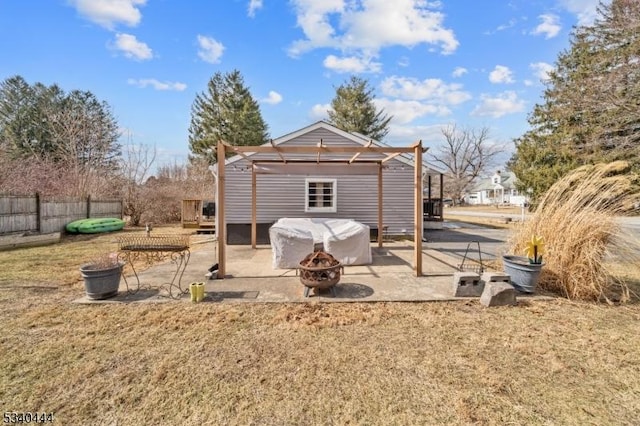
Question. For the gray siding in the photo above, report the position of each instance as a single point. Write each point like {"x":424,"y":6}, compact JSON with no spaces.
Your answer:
{"x":284,"y":195}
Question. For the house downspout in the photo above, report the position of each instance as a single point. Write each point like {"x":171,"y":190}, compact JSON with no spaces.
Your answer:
{"x":214,"y":172}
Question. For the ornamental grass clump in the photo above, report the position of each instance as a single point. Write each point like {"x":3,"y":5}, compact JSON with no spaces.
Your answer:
{"x":578,"y":221}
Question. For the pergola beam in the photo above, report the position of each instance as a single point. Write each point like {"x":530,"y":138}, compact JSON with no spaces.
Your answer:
{"x":389,"y":157}
{"x":357,"y":154}
{"x":233,"y":148}
{"x":319,"y":146}
{"x":324,"y":161}
{"x":325,"y":149}
{"x":276,"y":148}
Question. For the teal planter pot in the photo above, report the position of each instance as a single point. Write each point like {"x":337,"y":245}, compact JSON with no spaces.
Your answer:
{"x":524,"y":275}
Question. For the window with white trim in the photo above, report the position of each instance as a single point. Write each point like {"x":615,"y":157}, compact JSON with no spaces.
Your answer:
{"x":321,"y":195}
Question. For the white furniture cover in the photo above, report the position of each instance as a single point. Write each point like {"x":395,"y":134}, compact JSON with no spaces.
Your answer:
{"x":345,"y":239}
{"x":349,"y":243}
{"x":289,"y":245}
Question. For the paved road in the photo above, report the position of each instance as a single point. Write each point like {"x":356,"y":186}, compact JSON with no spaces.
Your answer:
{"x":496,"y":215}
{"x":455,"y":238}
{"x":630,"y":223}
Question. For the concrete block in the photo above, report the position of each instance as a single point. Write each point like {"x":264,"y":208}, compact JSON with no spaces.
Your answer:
{"x":467,"y":284}
{"x":496,"y":277}
{"x":498,"y":294}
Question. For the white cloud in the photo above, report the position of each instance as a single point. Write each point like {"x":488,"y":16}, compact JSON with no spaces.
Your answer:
{"x":549,"y":27}
{"x":253,"y":6}
{"x":512,"y":23}
{"x":369,"y":25}
{"x":404,"y":112}
{"x":585,"y":10}
{"x":108,"y":13}
{"x":459,"y":72}
{"x":156,"y":84}
{"x":500,"y":105}
{"x":274,"y":98}
{"x":541,"y":70}
{"x":210,"y":49}
{"x":351,"y":64}
{"x":132,"y":48}
{"x":320,"y":112}
{"x":313,"y":18}
{"x":501,"y":74}
{"x":430,"y":89}
{"x":403,"y":135}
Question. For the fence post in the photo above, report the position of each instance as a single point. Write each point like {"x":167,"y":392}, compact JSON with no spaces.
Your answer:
{"x":89,"y":206}
{"x":38,"y":213}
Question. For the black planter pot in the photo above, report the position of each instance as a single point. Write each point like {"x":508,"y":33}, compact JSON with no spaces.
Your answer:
{"x":99,"y":282}
{"x":524,"y":275}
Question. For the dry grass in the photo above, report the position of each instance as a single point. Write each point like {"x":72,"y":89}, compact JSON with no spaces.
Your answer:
{"x":177,"y":363}
{"x":60,"y":262}
{"x":577,"y":220}
{"x":439,"y":363}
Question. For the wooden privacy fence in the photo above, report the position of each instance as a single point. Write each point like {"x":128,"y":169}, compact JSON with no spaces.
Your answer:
{"x":34,"y":213}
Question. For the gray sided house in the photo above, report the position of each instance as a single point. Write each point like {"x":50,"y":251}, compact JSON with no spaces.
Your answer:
{"x":327,"y":187}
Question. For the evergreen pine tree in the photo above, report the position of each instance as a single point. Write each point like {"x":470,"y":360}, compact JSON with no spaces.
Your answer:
{"x":591,"y":103}
{"x":353,"y":110}
{"x":228,"y":112}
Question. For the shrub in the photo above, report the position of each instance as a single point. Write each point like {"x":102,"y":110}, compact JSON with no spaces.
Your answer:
{"x":577,"y":219}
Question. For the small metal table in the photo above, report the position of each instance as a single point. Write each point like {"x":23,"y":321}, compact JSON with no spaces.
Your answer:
{"x":153,"y":249}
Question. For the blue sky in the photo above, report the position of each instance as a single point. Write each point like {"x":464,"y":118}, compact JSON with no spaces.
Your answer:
{"x":431,"y":63}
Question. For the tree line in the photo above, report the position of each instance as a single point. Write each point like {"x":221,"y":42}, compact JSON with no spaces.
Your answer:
{"x":591,"y":106}
{"x":67,"y":143}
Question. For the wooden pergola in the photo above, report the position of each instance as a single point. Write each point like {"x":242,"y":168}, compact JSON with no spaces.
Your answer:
{"x":319,"y":153}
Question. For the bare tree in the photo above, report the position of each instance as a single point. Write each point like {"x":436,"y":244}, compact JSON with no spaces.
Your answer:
{"x":18,"y":176}
{"x":466,"y":154}
{"x":136,"y":166}
{"x":173,"y":183}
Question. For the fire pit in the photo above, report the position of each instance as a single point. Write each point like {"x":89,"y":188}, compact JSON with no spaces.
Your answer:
{"x":319,"y":270}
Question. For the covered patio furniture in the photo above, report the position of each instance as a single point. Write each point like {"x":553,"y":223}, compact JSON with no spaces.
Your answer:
{"x":289,"y":245}
{"x":346,"y":240}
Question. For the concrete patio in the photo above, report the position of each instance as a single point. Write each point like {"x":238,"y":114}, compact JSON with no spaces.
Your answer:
{"x":251,"y":278}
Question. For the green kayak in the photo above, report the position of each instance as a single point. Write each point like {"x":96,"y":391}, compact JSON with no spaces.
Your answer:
{"x":95,"y":225}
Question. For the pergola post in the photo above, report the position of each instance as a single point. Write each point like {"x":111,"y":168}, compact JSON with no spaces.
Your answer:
{"x":380,"y":206}
{"x":441,"y":197}
{"x":222,"y":225}
{"x":418,"y":219}
{"x":253,"y":207}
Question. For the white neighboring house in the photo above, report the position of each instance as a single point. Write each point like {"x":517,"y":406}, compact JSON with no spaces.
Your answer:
{"x":497,"y":189}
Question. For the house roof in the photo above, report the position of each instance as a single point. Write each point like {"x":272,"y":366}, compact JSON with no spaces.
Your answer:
{"x":355,"y":137}
{"x":507,"y":181}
